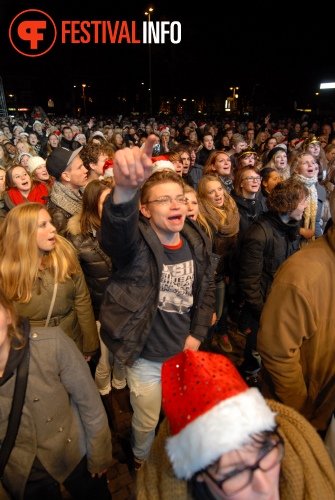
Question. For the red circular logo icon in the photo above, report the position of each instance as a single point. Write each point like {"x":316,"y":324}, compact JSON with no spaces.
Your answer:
{"x":32,"y":33}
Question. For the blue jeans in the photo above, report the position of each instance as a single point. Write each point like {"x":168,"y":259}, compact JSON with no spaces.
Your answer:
{"x":144,"y":382}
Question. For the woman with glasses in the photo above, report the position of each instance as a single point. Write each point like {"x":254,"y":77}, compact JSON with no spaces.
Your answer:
{"x":221,"y":440}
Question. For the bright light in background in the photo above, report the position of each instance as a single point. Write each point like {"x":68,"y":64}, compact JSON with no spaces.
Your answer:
{"x":327,"y":85}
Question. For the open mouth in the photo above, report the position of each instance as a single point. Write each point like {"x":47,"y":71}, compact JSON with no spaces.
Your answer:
{"x":175,"y":217}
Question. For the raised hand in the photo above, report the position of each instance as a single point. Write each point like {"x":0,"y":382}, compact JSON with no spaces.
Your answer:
{"x":132,"y":167}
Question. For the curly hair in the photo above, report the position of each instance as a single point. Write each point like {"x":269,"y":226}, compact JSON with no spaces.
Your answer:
{"x":91,"y":152}
{"x":286,"y":196}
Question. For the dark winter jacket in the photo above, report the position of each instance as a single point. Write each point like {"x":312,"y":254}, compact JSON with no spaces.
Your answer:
{"x":266,"y":245}
{"x":130,"y":303}
{"x":96,"y":265}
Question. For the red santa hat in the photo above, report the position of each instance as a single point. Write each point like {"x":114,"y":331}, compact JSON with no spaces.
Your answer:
{"x":108,"y":169}
{"x":161,"y":163}
{"x":165,"y":130}
{"x":210,"y":409}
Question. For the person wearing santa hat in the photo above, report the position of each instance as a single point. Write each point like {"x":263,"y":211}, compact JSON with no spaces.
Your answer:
{"x":160,"y":299}
{"x":222,"y":440}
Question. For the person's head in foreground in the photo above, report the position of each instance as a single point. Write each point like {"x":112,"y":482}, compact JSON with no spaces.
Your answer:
{"x":223,"y":434}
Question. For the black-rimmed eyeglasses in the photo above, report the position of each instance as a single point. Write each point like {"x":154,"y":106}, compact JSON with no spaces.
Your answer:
{"x":238,"y":479}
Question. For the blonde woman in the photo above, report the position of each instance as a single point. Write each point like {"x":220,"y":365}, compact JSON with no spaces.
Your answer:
{"x":277,"y":158}
{"x":222,"y":225}
{"x":43,"y":264}
{"x":305,"y":168}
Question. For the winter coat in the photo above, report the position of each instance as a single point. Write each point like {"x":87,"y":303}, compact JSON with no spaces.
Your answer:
{"x":296,"y":336}
{"x":130,"y":303}
{"x":266,"y":245}
{"x":63,"y":418}
{"x":72,"y":309}
{"x":96,"y":265}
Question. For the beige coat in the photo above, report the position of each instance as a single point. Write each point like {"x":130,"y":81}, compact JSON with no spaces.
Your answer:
{"x":296,"y":339}
{"x":72,"y":310}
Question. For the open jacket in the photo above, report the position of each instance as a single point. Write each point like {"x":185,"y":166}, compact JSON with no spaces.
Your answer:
{"x":72,"y":309}
{"x":296,"y":339}
{"x":63,"y":418}
{"x":131,"y":299}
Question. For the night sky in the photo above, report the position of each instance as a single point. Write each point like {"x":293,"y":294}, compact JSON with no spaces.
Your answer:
{"x":277,"y":54}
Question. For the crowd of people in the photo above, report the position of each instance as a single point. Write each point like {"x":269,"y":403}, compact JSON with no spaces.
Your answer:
{"x":127,"y":248}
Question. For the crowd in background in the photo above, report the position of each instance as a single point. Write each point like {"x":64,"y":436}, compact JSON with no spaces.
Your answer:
{"x":258,"y":190}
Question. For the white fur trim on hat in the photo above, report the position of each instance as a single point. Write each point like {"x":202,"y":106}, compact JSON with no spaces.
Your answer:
{"x":227,"y":426}
{"x":162,"y":165}
{"x":98,"y":132}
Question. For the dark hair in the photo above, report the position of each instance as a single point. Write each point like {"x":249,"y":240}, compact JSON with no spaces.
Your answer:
{"x":90,"y":208}
{"x":286,"y":196}
{"x":266,"y":172}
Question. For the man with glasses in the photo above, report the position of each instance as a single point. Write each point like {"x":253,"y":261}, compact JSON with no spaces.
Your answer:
{"x":160,"y":300}
{"x":222,"y":440}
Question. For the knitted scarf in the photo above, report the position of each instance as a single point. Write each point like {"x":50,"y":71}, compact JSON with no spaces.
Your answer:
{"x":38,"y":193}
{"x":232,"y":217}
{"x":65,"y":198}
{"x":312,"y":204}
{"x":306,"y":473}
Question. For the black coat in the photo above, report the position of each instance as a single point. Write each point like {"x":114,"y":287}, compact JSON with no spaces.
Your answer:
{"x":96,"y":265}
{"x":266,"y":245}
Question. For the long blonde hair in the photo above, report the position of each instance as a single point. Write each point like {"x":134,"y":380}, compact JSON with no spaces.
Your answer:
{"x":19,"y":253}
{"x":216,"y":216}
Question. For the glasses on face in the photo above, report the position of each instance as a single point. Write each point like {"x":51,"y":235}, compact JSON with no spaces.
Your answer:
{"x":238,"y":479}
{"x":167,"y":200}
{"x":251,"y":179}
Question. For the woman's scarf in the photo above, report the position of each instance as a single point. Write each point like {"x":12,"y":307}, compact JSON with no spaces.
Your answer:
{"x":38,"y":193}
{"x":312,"y":202}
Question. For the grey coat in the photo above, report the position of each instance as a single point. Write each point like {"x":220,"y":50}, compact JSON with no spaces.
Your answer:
{"x":63,"y":418}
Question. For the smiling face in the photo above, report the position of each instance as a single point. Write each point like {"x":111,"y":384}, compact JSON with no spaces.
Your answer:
{"x":250,"y":183}
{"x":46,"y":232}
{"x":21,"y":180}
{"x":41,"y":173}
{"x":222,"y":164}
{"x":166,"y":220}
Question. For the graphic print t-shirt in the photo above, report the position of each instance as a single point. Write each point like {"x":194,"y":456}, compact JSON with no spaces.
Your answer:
{"x":172,"y":322}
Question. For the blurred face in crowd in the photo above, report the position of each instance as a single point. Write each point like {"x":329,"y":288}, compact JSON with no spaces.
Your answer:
{"x":192,"y":205}
{"x":272,"y":181}
{"x":45,"y":232}
{"x":307,"y":166}
{"x":280,"y":160}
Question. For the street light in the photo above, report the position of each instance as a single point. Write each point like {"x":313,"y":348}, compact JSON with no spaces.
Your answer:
{"x":147,"y":13}
{"x":84,"y":96}
{"x":235,"y":96}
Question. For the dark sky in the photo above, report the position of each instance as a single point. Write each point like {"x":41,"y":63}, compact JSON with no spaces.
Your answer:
{"x":279,"y":53}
